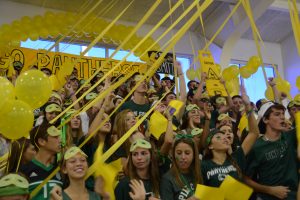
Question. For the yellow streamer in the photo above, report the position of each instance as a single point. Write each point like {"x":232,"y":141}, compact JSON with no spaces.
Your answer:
{"x":174,"y":40}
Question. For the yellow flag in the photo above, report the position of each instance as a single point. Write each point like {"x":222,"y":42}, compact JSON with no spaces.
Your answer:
{"x":213,"y":83}
{"x":177,"y":105}
{"x":158,"y":124}
{"x":235,"y":190}
{"x":106,"y":171}
{"x":298,"y":126}
{"x":209,"y":193}
{"x":243,"y":123}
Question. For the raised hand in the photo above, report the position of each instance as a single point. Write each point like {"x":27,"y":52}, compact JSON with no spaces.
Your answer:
{"x":137,"y":190}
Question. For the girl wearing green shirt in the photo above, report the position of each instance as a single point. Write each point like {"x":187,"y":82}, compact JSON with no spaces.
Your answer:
{"x":142,"y":181}
{"x":74,"y":167}
{"x":181,"y":180}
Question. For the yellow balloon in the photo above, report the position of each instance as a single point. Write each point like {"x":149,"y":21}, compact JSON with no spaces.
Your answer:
{"x":191,"y":74}
{"x":18,"y":121}
{"x":34,"y":88}
{"x":255,"y":62}
{"x":245,"y":72}
{"x":230,"y":72}
{"x":269,"y":94}
{"x":298,"y":82}
{"x":7,"y":94}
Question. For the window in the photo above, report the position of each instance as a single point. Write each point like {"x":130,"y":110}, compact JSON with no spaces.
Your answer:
{"x":38,"y":44}
{"x":100,"y":52}
{"x":255,"y":85}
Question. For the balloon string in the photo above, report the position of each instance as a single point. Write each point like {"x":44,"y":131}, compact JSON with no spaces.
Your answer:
{"x":20,"y":158}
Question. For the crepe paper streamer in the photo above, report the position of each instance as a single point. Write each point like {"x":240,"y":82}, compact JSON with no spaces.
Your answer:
{"x":297,"y":120}
{"x":41,"y":185}
{"x":295,"y":23}
{"x":138,"y":45}
{"x":155,"y":66}
{"x":121,"y":140}
{"x":158,"y":124}
{"x":235,"y":190}
{"x":208,"y":193}
{"x":243,"y":123}
{"x":84,"y":52}
{"x":222,"y":25}
{"x":117,"y":65}
{"x":177,"y":105}
{"x":140,"y":23}
{"x":62,"y":38}
{"x":249,"y":13}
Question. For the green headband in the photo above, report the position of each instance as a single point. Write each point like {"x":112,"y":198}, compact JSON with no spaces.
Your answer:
{"x":211,"y":135}
{"x":191,"y":107}
{"x":91,"y":96}
{"x":53,"y":107}
{"x":53,"y":131}
{"x":13,"y":184}
{"x":72,"y":152}
{"x":183,"y":136}
{"x":140,"y":143}
{"x":220,"y":100}
{"x":196,"y":131}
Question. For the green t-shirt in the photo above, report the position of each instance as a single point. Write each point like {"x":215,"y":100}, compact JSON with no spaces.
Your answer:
{"x":36,"y":173}
{"x":137,"y":109}
{"x":122,"y":189}
{"x":213,"y":174}
{"x":170,"y":190}
{"x":92,"y":196}
{"x":274,"y":163}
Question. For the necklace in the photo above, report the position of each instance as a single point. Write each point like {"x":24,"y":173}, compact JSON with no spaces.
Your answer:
{"x":268,"y":139}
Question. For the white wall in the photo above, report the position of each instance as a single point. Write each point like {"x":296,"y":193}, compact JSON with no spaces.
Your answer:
{"x":291,"y":61}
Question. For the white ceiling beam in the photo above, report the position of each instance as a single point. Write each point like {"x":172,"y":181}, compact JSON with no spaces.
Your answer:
{"x":282,"y":5}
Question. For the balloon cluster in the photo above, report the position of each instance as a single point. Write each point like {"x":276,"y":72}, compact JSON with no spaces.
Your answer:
{"x":31,"y":91}
{"x":52,"y":25}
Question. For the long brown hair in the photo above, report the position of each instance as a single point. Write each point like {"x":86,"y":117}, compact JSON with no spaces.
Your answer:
{"x":209,"y":156}
{"x":152,"y":170}
{"x":18,"y":147}
{"x":119,"y":127}
{"x":69,"y":137}
{"x":194,"y":167}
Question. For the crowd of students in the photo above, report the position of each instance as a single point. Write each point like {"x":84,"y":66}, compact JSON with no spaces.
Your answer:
{"x":214,"y":137}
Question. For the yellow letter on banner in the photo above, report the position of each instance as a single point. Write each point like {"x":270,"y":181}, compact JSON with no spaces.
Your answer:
{"x":235,"y":190}
{"x":213,"y":83}
{"x":209,"y":193}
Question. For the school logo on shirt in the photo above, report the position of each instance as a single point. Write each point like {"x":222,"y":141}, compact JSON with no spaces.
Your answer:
{"x":222,"y":172}
{"x":185,"y":192}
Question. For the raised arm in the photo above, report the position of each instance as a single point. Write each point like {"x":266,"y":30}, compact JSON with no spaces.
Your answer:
{"x":168,"y":140}
{"x":229,"y":105}
{"x":198,"y":94}
{"x":205,"y":132}
{"x":252,"y":124}
{"x":275,"y":90}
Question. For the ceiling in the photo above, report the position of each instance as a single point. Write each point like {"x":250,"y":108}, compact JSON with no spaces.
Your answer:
{"x":274,"y":24}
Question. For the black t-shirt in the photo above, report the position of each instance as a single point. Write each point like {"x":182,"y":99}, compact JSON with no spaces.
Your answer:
{"x":36,"y":173}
